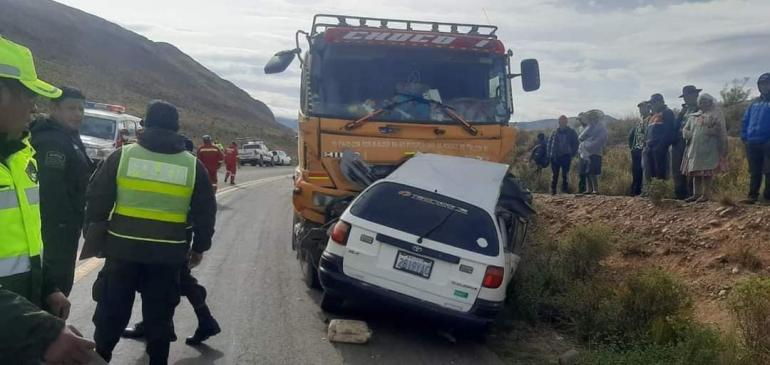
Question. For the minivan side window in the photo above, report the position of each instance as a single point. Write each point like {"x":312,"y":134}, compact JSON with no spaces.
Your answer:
{"x":429,"y":215}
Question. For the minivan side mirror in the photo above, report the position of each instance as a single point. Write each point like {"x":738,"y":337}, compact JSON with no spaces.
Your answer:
{"x":530,"y":74}
{"x":280,"y":61}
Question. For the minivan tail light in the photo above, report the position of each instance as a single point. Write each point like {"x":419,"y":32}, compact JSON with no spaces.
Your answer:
{"x":493,"y":278}
{"x":340,"y":233}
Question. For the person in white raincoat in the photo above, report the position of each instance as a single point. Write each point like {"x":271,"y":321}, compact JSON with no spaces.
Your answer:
{"x":592,"y":141}
{"x":706,"y":154}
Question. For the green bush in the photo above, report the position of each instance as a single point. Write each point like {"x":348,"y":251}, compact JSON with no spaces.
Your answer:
{"x":584,"y":248}
{"x":750,"y":303}
{"x":549,"y":268}
{"x":657,"y":190}
{"x":538,"y":281}
{"x":654,"y":305}
{"x":699,"y":346}
{"x":645,"y":318}
{"x":591,"y":310}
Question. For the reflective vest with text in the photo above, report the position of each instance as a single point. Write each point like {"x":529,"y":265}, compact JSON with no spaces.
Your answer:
{"x":153,"y":195}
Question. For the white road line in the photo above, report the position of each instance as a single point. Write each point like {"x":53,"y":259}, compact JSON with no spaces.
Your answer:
{"x":94,"y":263}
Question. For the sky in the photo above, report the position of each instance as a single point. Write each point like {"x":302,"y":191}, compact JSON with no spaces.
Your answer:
{"x":593,"y":54}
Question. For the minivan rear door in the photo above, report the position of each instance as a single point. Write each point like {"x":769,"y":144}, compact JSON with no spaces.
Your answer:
{"x":422,"y":244}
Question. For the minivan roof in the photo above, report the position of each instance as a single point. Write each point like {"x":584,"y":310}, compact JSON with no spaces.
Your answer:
{"x":473,"y":181}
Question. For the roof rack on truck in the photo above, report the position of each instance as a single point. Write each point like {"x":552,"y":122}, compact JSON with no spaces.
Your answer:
{"x":322,"y":22}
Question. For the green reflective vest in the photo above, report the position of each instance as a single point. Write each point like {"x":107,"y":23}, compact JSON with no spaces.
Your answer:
{"x":153,"y":195}
{"x":20,"y":237}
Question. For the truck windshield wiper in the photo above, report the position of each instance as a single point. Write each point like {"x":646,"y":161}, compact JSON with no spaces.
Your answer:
{"x":437,"y":226}
{"x":389,"y":107}
{"x":450,"y":111}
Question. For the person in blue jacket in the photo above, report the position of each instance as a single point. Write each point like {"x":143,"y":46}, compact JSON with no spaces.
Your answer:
{"x":755,"y":134}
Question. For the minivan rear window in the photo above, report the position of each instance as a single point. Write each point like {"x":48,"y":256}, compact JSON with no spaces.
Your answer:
{"x":430,"y":215}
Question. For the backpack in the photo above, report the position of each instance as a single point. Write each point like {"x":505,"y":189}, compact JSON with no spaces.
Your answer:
{"x":540,"y":155}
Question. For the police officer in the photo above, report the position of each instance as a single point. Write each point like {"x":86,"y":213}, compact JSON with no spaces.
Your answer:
{"x":27,"y":333}
{"x":195,"y":293}
{"x":63,"y":169}
{"x":146,"y":192}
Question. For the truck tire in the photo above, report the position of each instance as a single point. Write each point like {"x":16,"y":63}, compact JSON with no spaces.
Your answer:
{"x":253,"y":163}
{"x":242,"y":163}
{"x":331,"y":303}
{"x":309,"y":272}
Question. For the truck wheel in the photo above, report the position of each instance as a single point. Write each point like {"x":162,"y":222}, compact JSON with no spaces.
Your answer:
{"x":253,"y":163}
{"x":309,"y":272}
{"x":331,"y":303}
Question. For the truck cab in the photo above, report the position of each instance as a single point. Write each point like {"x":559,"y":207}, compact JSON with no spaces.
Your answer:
{"x":386,"y":89}
{"x":107,"y":127}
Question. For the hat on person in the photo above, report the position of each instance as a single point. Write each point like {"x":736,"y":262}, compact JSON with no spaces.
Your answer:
{"x":764,"y":78}
{"x":163,"y":115}
{"x":16,"y":63}
{"x":563,"y":117}
{"x":689,"y":89}
{"x":593,"y":116}
{"x":657,"y":98}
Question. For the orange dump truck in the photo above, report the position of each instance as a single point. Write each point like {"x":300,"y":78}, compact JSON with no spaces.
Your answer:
{"x":383,"y":90}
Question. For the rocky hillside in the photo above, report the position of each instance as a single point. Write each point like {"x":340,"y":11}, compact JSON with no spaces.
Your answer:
{"x":708,"y":245}
{"x":114,"y":65}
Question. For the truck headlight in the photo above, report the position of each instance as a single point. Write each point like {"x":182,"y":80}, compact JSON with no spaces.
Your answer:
{"x":322,"y":200}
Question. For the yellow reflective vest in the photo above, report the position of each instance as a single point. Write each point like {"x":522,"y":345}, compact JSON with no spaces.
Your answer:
{"x":153,"y":195}
{"x":20,"y":237}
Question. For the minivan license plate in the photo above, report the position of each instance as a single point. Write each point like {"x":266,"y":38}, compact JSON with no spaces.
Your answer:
{"x":413,"y":264}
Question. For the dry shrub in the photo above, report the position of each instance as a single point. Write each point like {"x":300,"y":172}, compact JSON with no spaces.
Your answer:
{"x":750,"y":304}
{"x":585,"y":247}
{"x":658,"y":190}
{"x":654,"y":303}
{"x":746,"y":256}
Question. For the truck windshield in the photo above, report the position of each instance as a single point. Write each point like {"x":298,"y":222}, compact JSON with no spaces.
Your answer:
{"x":98,"y":127}
{"x":350,"y":81}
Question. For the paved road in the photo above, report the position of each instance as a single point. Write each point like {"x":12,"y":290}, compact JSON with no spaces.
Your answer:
{"x":267,"y":314}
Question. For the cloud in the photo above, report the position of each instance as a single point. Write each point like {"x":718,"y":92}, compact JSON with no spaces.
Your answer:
{"x":606,"y":54}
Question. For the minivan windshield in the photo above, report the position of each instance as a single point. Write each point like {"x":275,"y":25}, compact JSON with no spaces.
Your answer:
{"x":429,"y":215}
{"x":98,"y":127}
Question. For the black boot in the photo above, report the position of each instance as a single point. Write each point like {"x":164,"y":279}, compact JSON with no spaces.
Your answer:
{"x":106,"y":355}
{"x":134,"y":332}
{"x":207,"y":326}
{"x":158,"y":352}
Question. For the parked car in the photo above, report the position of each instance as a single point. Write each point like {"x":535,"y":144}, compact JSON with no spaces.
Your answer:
{"x":280,"y":158}
{"x":255,"y":153}
{"x":440,"y":234}
{"x":105,"y":128}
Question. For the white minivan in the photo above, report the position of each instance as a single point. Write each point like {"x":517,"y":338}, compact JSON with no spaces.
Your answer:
{"x":440,"y":234}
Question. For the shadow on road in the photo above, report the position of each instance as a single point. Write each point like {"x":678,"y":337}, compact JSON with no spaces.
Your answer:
{"x":208,"y":355}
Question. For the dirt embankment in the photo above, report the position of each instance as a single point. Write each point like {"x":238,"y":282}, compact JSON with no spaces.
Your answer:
{"x":707,"y":245}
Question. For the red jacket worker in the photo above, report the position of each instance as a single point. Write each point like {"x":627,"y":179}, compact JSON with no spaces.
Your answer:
{"x":231,"y":162}
{"x":211,"y":157}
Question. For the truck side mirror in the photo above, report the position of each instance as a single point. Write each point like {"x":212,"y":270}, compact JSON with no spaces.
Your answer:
{"x":280,"y":61}
{"x":530,"y":74}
